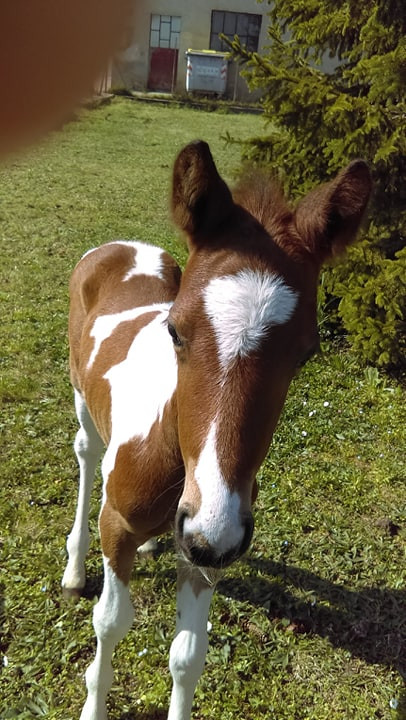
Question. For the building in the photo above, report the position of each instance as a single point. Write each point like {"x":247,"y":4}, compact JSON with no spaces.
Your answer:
{"x":164,"y":30}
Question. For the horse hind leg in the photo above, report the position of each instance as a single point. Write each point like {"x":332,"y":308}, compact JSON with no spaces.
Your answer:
{"x":148,"y":548}
{"x":88,"y":448}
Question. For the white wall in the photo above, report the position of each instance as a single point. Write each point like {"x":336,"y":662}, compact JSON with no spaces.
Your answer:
{"x":132,"y":64}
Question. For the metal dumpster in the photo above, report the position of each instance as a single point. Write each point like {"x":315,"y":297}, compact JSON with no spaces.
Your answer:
{"x":206,"y":71}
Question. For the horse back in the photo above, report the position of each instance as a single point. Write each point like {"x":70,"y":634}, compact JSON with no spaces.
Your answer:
{"x":115,"y":291}
{"x":111,"y":279}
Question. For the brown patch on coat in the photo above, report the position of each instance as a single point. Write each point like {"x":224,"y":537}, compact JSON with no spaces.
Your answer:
{"x":147,"y":479}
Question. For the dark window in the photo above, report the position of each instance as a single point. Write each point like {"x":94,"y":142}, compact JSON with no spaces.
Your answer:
{"x":230,"y":23}
{"x":242,"y":25}
{"x":217,"y":21}
{"x":246,"y":25}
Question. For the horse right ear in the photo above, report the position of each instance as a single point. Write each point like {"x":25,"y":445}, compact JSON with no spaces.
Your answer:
{"x":201,"y":200}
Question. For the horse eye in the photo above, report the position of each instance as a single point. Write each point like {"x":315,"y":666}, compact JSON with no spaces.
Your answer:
{"x":174,"y":335}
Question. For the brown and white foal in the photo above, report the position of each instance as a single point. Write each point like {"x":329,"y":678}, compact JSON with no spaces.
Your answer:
{"x":183,"y":380}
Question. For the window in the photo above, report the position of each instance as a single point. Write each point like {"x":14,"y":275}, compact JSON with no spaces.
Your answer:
{"x":165,"y":31}
{"x":246,"y":25}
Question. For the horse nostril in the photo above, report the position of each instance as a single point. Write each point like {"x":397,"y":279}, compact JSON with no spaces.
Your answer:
{"x":183,"y":514}
{"x":195,"y":545}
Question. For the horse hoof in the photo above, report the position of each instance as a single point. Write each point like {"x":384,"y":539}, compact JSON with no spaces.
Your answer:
{"x":72,"y":594}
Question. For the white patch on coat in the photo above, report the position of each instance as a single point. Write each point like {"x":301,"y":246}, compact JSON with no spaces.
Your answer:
{"x":112,"y":618}
{"x":88,"y":448}
{"x":105,"y":325}
{"x":243,"y":307}
{"x":189,"y":648}
{"x":147,"y":260}
{"x":218,"y":518}
{"x":141,"y":386}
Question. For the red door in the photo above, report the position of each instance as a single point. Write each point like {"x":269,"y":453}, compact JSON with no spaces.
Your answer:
{"x":163,"y":67}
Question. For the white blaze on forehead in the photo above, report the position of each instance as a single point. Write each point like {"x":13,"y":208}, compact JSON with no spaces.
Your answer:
{"x":141,"y":386}
{"x":243,"y":307}
{"x":218,"y":518}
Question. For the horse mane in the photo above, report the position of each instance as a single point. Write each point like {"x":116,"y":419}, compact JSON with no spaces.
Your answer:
{"x":261,"y":195}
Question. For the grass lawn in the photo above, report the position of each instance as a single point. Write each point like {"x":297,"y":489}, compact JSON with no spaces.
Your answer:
{"x":312,"y":622}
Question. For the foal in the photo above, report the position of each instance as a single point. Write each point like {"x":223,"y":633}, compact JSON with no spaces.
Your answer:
{"x":183,"y":380}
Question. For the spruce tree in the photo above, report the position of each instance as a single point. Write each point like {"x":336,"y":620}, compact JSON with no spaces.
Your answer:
{"x":321,"y":119}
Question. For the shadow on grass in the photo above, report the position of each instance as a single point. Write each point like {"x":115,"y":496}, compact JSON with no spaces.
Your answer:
{"x":401,"y":711}
{"x":370,"y":623}
{"x":93,"y":587}
{"x":152,"y":715}
{"x":4,"y":639}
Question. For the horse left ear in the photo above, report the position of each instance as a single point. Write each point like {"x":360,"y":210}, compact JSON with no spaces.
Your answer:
{"x":329,"y":217}
{"x":201,"y":200}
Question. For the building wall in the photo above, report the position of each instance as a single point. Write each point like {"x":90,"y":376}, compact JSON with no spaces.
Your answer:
{"x":131,"y":66}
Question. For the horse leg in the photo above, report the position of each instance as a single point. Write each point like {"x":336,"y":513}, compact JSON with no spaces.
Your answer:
{"x":148,"y":547}
{"x":189,"y":648}
{"x":114,"y":613}
{"x":88,"y":448}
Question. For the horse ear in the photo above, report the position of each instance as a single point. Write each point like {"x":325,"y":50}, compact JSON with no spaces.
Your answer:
{"x":329,"y":217}
{"x":201,"y":200}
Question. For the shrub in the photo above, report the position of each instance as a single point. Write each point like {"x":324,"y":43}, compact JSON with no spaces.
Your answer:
{"x":373,"y":303}
{"x":324,"y":119}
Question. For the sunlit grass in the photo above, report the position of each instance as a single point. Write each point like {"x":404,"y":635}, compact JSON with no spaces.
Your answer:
{"x":311,"y":623}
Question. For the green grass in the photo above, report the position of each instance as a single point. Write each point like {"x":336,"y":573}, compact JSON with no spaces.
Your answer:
{"x":311,"y":623}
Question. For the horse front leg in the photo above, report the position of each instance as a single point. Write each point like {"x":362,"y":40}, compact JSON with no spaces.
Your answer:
{"x":114,"y":613}
{"x":189,"y":647}
{"x":88,"y":448}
